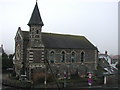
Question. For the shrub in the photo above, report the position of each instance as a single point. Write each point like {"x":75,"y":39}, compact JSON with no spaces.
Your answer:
{"x":40,"y":77}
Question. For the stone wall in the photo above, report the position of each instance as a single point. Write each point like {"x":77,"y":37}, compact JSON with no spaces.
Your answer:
{"x":89,"y":55}
{"x":68,"y":68}
{"x":81,"y":68}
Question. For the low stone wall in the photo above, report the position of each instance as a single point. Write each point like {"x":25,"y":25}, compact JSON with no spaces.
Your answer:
{"x":112,"y":79}
{"x":16,"y":83}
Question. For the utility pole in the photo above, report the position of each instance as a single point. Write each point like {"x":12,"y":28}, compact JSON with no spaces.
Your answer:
{"x":105,"y":80}
{"x":45,"y":82}
{"x":48,"y":65}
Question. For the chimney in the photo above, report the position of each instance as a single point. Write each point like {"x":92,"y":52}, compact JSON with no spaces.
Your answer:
{"x":105,"y":52}
{"x":2,"y":46}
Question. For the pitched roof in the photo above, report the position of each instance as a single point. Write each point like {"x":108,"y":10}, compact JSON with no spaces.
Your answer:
{"x":51,"y":40}
{"x":35,"y":17}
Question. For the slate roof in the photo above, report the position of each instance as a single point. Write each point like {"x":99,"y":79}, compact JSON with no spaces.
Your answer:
{"x":52,"y":40}
{"x":35,"y":17}
{"x":25,"y":35}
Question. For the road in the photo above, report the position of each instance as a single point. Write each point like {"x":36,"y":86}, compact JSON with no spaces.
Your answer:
{"x":76,"y":88}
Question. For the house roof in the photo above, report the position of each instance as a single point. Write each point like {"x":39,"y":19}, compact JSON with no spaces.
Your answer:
{"x":1,"y":50}
{"x":35,"y":17}
{"x":115,"y":57}
{"x":52,"y":40}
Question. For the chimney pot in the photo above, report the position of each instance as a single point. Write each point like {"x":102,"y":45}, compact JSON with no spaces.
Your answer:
{"x":1,"y":45}
{"x":106,"y":52}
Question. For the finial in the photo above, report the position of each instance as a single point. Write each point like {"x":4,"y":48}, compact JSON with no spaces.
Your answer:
{"x":19,"y":28}
{"x":36,"y":0}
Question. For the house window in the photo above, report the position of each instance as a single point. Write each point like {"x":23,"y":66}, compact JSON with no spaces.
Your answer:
{"x":73,"y":57}
{"x":82,"y":56}
{"x":52,"y":57}
{"x":63,"y":57}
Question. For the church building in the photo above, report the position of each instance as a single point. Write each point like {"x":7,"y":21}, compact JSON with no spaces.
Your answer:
{"x":35,"y":50}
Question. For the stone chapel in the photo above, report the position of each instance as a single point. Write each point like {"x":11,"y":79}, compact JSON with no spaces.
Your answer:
{"x":63,"y":52}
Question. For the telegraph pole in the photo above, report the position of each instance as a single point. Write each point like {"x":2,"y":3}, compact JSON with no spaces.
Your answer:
{"x":45,"y":63}
{"x":45,"y":76}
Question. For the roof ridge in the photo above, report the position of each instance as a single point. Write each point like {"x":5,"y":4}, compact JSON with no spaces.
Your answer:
{"x":63,"y":34}
{"x":58,"y":34}
{"x":24,"y":31}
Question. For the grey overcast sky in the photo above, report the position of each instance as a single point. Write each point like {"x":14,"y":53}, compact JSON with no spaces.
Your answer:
{"x":97,"y":20}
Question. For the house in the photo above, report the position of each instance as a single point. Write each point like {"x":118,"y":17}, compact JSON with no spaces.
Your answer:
{"x":105,"y":61}
{"x":1,"y":50}
{"x":115,"y":59}
{"x":35,"y":49}
{"x":106,"y":57}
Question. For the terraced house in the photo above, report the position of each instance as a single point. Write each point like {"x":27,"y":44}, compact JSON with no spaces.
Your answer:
{"x":65,"y":54}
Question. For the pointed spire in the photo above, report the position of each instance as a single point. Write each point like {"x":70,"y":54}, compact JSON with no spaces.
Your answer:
{"x":35,"y":17}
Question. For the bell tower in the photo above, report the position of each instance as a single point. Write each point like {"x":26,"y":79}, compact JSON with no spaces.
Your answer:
{"x":35,"y":51}
{"x":35,"y":24}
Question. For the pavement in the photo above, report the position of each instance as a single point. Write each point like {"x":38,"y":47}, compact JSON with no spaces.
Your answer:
{"x":0,"y":81}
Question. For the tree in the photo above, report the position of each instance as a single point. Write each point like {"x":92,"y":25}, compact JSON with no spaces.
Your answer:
{"x":10,"y":61}
{"x":7,"y":61}
{"x":4,"y":61}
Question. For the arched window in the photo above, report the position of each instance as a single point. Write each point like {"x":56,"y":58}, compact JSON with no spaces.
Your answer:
{"x":52,"y":57}
{"x":18,"y":53}
{"x":82,"y":56}
{"x":73,"y":57}
{"x":63,"y":57}
{"x":37,"y":31}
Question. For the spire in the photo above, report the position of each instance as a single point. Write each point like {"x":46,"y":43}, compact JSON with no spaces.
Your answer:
{"x":35,"y":17}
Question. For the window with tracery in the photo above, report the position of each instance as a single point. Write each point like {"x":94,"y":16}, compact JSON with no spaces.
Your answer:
{"x":52,"y":57}
{"x":73,"y":57}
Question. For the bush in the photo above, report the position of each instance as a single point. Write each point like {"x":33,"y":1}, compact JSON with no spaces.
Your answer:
{"x":74,"y":76}
{"x":40,"y":78}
